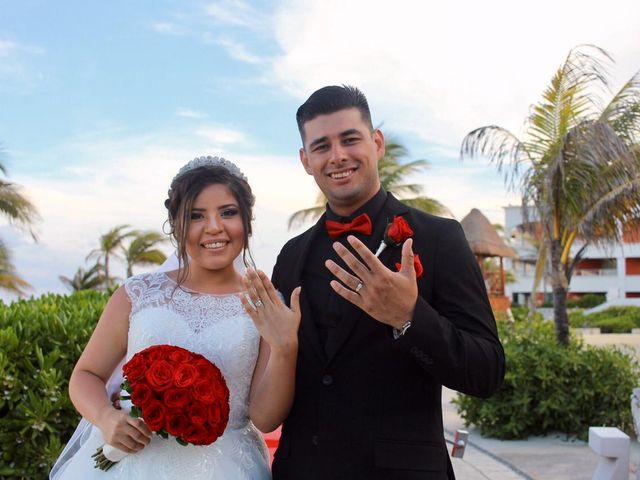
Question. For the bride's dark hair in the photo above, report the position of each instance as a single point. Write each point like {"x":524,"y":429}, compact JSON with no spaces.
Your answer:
{"x":182,"y":193}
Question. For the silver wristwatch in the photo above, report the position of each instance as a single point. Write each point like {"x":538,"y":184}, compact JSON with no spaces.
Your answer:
{"x":399,"y":332}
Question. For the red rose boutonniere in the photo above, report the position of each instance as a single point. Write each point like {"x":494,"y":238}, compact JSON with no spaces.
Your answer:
{"x":417,"y":265}
{"x":398,"y":230}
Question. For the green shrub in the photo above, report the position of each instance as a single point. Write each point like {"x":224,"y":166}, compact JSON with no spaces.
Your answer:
{"x":549,"y":388}
{"x":611,"y":320}
{"x":589,"y":300}
{"x":40,"y":341}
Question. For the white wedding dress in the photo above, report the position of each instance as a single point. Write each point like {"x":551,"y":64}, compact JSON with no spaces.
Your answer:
{"x":217,"y":327}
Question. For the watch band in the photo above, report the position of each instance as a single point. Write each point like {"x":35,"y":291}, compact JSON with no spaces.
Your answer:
{"x":399,"y":332}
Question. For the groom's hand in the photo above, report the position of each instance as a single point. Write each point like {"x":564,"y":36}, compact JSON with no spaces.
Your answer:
{"x":389,"y":297}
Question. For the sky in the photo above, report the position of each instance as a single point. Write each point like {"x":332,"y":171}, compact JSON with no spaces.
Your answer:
{"x":102,"y":102}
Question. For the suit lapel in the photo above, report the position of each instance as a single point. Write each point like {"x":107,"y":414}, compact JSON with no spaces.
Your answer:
{"x":308,"y":330}
{"x":354,"y":314}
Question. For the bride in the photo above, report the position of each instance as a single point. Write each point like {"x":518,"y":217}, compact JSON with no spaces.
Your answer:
{"x":206,"y":306}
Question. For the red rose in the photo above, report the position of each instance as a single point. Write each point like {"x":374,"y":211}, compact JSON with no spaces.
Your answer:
{"x":204,"y":391}
{"x":160,"y":375}
{"x":184,"y":375}
{"x":152,"y":354}
{"x":177,"y":424}
{"x":141,"y":395}
{"x":135,"y":368}
{"x":176,"y":397}
{"x":197,"y":435}
{"x":204,"y":367}
{"x":417,"y":265}
{"x":180,"y":355}
{"x":197,"y":413}
{"x":154,"y":415}
{"x":214,"y":414}
{"x":398,"y":230}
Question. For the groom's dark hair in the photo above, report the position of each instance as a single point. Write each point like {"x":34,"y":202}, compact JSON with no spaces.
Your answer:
{"x":330,"y":100}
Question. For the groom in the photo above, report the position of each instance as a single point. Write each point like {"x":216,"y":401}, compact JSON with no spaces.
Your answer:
{"x":381,"y":334}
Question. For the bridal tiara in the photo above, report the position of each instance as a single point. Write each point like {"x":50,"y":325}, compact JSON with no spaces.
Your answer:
{"x":210,"y":161}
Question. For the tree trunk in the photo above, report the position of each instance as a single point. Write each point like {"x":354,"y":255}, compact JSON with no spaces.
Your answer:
{"x":559,"y":286}
{"x":560,"y":314}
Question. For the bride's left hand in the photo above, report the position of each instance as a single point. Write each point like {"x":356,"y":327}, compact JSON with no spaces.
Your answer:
{"x":277,"y":323}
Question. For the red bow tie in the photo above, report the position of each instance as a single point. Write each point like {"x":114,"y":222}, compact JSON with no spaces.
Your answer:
{"x":362,"y":223}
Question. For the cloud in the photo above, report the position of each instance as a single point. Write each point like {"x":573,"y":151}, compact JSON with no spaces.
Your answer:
{"x":168,"y":28}
{"x":6,"y":47}
{"x":124,"y":180}
{"x":187,"y":113}
{"x":234,"y":49}
{"x":17,"y":76}
{"x":221,"y":135}
{"x":234,"y":12}
{"x":440,"y":69}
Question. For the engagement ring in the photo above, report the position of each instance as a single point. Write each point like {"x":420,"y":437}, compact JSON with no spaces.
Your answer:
{"x":359,"y":287}
{"x":259,"y":303}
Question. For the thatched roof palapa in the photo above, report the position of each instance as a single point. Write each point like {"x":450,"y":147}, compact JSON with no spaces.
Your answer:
{"x":482,"y":236}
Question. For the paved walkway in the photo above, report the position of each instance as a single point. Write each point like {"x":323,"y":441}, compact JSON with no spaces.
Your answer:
{"x":540,"y":458}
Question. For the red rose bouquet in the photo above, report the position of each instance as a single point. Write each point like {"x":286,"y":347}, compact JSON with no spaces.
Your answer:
{"x":176,"y":392}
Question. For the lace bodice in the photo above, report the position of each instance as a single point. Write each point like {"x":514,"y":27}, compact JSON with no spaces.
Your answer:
{"x":215,"y":326}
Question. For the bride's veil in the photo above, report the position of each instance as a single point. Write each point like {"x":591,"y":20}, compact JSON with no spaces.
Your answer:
{"x":83,"y":430}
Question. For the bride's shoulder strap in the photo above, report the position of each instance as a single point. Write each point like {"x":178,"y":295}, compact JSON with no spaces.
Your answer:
{"x":139,"y":287}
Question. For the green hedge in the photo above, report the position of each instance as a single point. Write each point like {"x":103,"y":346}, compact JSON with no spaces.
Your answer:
{"x":589,"y":300}
{"x":40,"y":341}
{"x":548,"y":388}
{"x":611,"y":320}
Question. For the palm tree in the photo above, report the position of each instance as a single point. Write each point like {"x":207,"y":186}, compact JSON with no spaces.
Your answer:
{"x":109,"y":244}
{"x":9,"y":279}
{"x":392,"y":173}
{"x":578,"y":165}
{"x":141,"y":250}
{"x":85,"y":280}
{"x":21,"y":212}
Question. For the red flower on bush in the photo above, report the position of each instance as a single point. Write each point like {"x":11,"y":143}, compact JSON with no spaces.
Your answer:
{"x":176,"y":392}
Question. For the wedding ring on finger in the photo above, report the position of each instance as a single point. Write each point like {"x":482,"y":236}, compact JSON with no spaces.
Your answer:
{"x":359,"y":287}
{"x":258,"y":303}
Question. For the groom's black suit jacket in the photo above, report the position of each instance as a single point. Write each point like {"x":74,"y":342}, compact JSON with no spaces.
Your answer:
{"x":370,"y":406}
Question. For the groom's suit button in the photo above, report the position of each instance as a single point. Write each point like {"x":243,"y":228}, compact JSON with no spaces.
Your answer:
{"x":315,"y":440}
{"x":327,"y":380}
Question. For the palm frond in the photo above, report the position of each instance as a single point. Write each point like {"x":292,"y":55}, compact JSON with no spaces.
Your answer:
{"x":623,"y":111}
{"x":91,"y":279}
{"x":9,"y":279}
{"x":17,"y":208}
{"x":500,"y":147}
{"x":305,"y":215}
{"x":428,"y":205}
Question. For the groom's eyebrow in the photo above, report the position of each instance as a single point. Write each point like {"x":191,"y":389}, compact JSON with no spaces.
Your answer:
{"x":346,"y":133}
{"x":318,"y":141}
